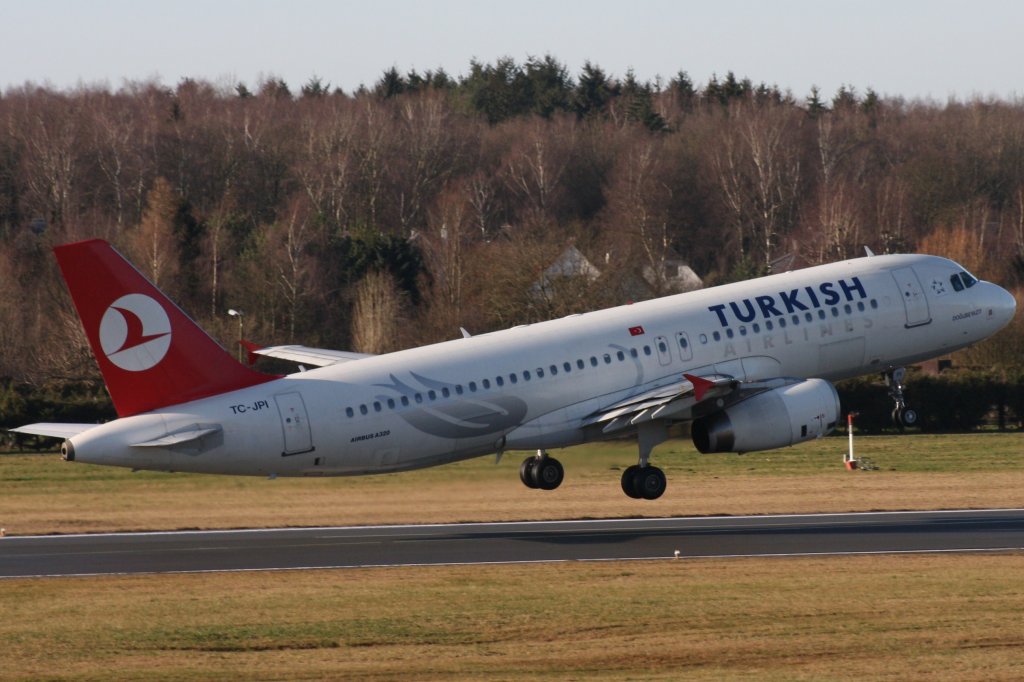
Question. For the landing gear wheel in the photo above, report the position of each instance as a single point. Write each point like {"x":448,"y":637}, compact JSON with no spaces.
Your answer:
{"x":628,"y":479}
{"x":649,"y":483}
{"x":548,"y":473}
{"x":904,"y":416}
{"x":526,"y":474}
{"x":643,"y":482}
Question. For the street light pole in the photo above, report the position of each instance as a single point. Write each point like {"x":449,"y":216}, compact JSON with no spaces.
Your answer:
{"x":239,"y":314}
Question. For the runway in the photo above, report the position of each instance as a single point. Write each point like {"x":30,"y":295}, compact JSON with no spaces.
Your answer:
{"x":517,"y":542}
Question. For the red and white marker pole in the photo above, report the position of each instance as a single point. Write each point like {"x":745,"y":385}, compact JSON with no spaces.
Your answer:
{"x":848,"y":458}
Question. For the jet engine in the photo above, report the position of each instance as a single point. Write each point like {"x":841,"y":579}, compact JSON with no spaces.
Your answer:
{"x":773,"y":419}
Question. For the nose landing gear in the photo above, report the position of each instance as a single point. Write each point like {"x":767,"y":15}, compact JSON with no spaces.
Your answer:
{"x":901,"y":414}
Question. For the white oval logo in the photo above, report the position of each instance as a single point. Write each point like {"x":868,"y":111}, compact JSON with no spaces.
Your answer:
{"x":135,"y":333}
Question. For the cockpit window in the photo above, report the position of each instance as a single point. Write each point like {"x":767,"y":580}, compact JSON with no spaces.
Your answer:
{"x":962,"y":280}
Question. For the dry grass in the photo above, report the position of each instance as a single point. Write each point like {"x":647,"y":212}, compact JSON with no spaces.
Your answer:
{"x":40,"y":494}
{"x":908,"y":617}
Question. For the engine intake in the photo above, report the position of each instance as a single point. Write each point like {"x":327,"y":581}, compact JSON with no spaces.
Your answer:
{"x":773,"y":419}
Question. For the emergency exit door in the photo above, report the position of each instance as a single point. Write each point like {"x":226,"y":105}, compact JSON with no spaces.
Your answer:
{"x":914,"y":301}
{"x":294,"y":423}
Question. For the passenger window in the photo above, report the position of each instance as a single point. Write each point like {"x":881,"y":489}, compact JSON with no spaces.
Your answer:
{"x":835,"y":312}
{"x":809,"y":317}
{"x":821,"y":314}
{"x":621,"y":356}
{"x":579,"y":364}
{"x":445,"y":392}
{"x":782,"y":322}
{"x":349,"y":412}
{"x":848,"y":309}
{"x":499,"y":381}
{"x":472,"y":387}
{"x":405,"y":401}
{"x":593,"y":361}
{"x":458,"y":389}
{"x":607,"y":359}
{"x":391,"y":403}
{"x":704,"y":338}
{"x":757,"y":328}
{"x":860,"y":306}
{"x":717,"y":336}
{"x":419,"y":397}
{"x":633,"y":353}
{"x":647,"y":350}
{"x":486,"y":383}
{"x":432,"y":395}
{"x":729,"y":332}
{"x":874,"y":303}
{"x":513,"y":378}
{"x":376,"y":406}
{"x":567,"y":367}
{"x":743,"y":330}
{"x":796,"y":319}
{"x":362,"y":409}
{"x":768,"y":325}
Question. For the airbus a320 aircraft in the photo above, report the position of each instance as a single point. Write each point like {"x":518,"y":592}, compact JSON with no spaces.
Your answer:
{"x":749,"y":365}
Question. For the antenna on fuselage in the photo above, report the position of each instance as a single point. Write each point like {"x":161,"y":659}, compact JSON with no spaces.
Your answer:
{"x":868,"y":251}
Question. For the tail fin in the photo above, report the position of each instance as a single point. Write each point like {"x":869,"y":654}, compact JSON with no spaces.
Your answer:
{"x":151,"y":353}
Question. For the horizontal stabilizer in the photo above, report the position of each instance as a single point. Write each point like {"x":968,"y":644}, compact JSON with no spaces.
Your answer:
{"x":53,"y":430}
{"x":193,"y":433}
{"x":318,"y":357}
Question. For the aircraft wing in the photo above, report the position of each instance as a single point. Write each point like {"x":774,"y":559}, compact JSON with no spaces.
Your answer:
{"x":318,"y":357}
{"x":676,"y":401}
{"x":53,"y":430}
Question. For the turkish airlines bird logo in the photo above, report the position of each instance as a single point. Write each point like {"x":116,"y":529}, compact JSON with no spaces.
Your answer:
{"x":135,"y":333}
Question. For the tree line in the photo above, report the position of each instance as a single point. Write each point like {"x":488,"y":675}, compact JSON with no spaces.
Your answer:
{"x":393,"y":215}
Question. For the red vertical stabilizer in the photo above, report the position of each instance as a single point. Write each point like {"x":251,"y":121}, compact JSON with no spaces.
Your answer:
{"x":151,"y":353}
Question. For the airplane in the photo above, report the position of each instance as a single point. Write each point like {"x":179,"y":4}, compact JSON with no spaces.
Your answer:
{"x":748,"y":365}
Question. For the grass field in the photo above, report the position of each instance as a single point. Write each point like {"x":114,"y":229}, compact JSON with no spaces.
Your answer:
{"x":882,"y":617}
{"x":41,"y":494}
{"x":893,"y":618}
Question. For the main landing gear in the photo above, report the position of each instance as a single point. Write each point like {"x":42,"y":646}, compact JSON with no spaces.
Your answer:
{"x":541,"y":471}
{"x":644,"y":481}
{"x":901,"y":414}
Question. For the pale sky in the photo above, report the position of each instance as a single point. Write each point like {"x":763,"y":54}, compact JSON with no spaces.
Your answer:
{"x":931,"y":49}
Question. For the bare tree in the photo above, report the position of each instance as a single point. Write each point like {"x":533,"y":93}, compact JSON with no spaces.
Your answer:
{"x":377,"y":315}
{"x":757,"y":164}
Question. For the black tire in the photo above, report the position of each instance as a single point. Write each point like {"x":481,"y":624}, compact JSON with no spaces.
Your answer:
{"x":897,"y":417}
{"x":526,"y":474}
{"x":548,"y":473}
{"x":629,"y":481}
{"x":650,"y":483}
{"x":909,"y":417}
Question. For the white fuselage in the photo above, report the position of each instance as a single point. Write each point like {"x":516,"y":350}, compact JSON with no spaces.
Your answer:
{"x":532,"y":387}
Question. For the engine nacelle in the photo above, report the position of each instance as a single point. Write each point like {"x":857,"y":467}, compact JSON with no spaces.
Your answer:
{"x":773,"y":419}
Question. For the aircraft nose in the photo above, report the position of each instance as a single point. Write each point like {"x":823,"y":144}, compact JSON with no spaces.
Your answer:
{"x":1001,"y":306}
